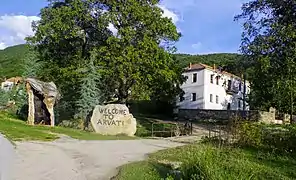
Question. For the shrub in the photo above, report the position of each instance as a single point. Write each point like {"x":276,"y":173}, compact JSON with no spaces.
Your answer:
{"x":277,"y":138}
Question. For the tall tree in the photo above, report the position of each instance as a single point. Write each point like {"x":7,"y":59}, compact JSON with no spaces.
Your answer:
{"x":90,"y":94}
{"x":64,"y":37}
{"x":139,"y":53}
{"x":269,"y":41}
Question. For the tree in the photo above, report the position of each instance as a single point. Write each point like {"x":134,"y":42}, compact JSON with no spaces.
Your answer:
{"x":64,"y":37}
{"x":90,"y":94}
{"x":139,"y":53}
{"x":269,"y":42}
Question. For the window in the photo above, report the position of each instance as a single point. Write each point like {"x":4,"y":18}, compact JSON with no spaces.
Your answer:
{"x":217,"y":80}
{"x":217,"y":99}
{"x":211,"y":97}
{"x":212,"y":78}
{"x":240,"y":86}
{"x":193,"y":96}
{"x":182,"y":97}
{"x":194,"y":78}
{"x":229,"y":85}
{"x":239,"y":104}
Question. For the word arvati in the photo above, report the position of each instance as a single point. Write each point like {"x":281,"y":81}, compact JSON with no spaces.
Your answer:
{"x":109,"y":116}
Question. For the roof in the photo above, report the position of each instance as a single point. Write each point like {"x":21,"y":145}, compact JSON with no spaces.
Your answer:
{"x":201,"y":66}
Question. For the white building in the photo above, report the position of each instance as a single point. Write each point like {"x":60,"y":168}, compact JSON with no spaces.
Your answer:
{"x":208,"y":88}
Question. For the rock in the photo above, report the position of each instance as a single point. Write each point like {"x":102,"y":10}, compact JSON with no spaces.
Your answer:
{"x":42,"y":97}
{"x":113,"y":119}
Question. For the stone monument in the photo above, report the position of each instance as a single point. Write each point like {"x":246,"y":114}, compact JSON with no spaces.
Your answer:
{"x":113,"y":119}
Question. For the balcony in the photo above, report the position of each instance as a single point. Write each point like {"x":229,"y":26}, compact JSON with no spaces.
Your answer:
{"x":231,"y":90}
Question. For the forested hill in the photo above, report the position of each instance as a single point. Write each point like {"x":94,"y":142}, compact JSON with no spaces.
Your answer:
{"x":12,"y":58}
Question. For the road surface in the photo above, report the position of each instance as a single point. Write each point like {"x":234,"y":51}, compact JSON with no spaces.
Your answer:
{"x":69,"y":159}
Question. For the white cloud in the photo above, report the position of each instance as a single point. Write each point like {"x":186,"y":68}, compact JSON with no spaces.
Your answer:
{"x":2,"y":45}
{"x":197,"y":46}
{"x":15,"y":28}
{"x":169,"y":14}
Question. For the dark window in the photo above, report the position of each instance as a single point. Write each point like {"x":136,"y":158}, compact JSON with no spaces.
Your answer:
{"x":229,"y":85}
{"x":217,"y":99}
{"x":211,"y":97}
{"x":194,"y":78}
{"x":239,"y":104}
{"x":217,"y":80}
{"x":182,"y":98}
{"x":193,"y":96}
{"x":212,"y":78}
{"x":228,"y":106}
{"x":240,"y":86}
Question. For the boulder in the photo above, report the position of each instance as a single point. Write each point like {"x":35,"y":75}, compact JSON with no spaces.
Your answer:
{"x":113,"y":119}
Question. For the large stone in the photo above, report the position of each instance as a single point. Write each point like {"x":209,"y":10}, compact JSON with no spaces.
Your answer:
{"x":113,"y":119}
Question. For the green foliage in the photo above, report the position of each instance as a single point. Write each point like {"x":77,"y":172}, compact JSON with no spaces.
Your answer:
{"x":30,"y":64}
{"x":229,"y":62}
{"x":11,"y":61}
{"x":4,"y":98}
{"x":280,"y":139}
{"x":90,"y":94}
{"x":204,"y":161}
{"x":135,"y":55}
{"x":269,"y":45}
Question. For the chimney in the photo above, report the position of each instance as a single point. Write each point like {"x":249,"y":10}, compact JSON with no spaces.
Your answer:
{"x":214,"y":66}
{"x":190,"y":65}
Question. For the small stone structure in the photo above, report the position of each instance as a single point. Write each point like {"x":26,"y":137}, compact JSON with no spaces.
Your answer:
{"x":113,"y":119}
{"x":41,"y":100}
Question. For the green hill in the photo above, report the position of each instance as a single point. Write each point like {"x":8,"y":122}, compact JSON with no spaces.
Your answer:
{"x":12,"y":58}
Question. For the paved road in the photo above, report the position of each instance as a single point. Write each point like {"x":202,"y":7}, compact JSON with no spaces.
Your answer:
{"x":69,"y":159}
{"x":7,"y":155}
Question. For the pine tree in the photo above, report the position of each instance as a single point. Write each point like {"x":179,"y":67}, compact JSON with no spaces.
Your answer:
{"x":90,"y":94}
{"x":31,"y":65}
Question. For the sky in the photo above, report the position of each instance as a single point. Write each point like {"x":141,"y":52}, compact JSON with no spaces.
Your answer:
{"x":206,"y":26}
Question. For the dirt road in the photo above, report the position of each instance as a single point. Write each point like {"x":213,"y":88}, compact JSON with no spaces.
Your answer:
{"x":69,"y":159}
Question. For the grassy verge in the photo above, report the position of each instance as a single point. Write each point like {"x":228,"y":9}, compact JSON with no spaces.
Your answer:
{"x":144,"y":127}
{"x":204,"y":161}
{"x":17,"y":130}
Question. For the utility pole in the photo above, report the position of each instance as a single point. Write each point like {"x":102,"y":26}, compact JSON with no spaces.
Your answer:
{"x":244,"y":95}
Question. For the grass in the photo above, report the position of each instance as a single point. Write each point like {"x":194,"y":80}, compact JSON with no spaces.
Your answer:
{"x":205,"y":161}
{"x":144,"y":126}
{"x":17,"y":130}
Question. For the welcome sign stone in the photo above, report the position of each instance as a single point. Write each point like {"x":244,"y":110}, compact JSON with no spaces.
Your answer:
{"x":113,"y":119}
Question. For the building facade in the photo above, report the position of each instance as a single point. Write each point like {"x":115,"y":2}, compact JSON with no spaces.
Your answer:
{"x":208,"y":88}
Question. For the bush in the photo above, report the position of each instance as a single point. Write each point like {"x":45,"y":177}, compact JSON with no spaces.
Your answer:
{"x":277,"y":138}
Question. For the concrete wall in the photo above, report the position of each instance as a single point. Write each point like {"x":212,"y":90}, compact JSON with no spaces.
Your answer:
{"x":190,"y":87}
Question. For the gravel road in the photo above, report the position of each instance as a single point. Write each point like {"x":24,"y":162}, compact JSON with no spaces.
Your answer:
{"x":7,"y":155}
{"x":69,"y":159}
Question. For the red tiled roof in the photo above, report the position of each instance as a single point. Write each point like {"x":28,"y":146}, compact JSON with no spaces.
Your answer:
{"x":201,"y":66}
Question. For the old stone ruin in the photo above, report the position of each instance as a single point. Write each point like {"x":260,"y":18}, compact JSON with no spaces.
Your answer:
{"x":42,"y":97}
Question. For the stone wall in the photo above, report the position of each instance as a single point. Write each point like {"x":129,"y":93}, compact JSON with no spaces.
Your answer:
{"x":224,"y":115}
{"x":217,"y":115}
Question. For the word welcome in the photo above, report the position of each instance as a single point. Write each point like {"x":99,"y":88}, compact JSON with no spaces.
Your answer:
{"x":111,"y":122}
{"x":113,"y":111}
